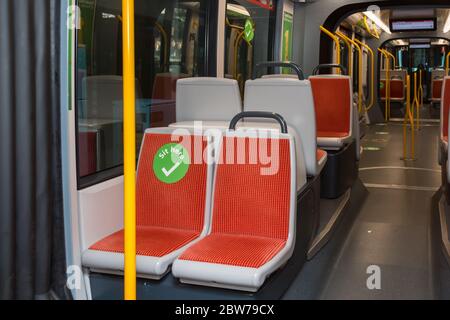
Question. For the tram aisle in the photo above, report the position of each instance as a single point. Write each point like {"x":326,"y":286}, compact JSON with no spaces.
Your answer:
{"x":390,"y":230}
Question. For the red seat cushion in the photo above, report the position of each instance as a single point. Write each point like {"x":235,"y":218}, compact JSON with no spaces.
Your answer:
{"x":150,"y":241}
{"x":168,"y":216}
{"x":320,"y":154}
{"x":251,"y":210}
{"x":333,"y":105}
{"x":332,"y":134}
{"x":236,"y":250}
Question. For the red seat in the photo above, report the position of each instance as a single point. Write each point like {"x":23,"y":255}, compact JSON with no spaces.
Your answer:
{"x":333,"y":105}
{"x":437,"y":89}
{"x":321,"y":154}
{"x":168,"y":216}
{"x":397,"y":90}
{"x":252,"y":221}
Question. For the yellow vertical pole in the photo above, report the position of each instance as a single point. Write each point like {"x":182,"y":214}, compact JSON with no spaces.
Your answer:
{"x":129,"y":157}
{"x":337,"y":43}
{"x":372,"y":83}
{"x":447,"y":63}
{"x":405,"y":119}
{"x":416,"y":100}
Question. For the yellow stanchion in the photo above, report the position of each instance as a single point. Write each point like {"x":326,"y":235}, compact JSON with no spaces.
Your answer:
{"x":372,"y":75}
{"x":360,"y":68}
{"x":387,"y":102}
{"x":447,"y":63}
{"x":409,"y":117}
{"x":416,"y":104}
{"x":350,"y":53}
{"x":337,"y":43}
{"x":129,"y":148}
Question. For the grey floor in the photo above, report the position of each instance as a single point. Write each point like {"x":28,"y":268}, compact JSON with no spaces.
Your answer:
{"x":392,"y":229}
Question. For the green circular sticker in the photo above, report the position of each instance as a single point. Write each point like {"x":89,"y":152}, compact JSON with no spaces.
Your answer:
{"x":171,"y":163}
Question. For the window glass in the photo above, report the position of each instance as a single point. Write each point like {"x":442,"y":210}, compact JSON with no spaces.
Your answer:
{"x":250,"y":30}
{"x":170,"y":44}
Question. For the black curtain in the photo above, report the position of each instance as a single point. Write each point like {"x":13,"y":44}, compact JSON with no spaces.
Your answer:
{"x":32,"y":253}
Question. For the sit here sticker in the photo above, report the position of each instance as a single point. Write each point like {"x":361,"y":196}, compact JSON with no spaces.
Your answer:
{"x":171,"y":163}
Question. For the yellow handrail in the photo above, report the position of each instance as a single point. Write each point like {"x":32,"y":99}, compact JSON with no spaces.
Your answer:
{"x":360,"y":69}
{"x":372,"y":74}
{"x":350,"y":52}
{"x":387,"y":103}
{"x":372,"y":33}
{"x":129,"y":148}
{"x":408,"y":116}
{"x":416,"y":103}
{"x":336,"y":41}
{"x":447,"y":63}
{"x":393,"y":58}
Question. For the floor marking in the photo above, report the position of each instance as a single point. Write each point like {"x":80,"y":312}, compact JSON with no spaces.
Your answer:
{"x":402,"y":168}
{"x":400,"y":187}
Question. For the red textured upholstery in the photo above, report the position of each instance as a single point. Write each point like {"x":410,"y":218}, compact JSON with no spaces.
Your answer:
{"x":321,"y":154}
{"x":168,"y":216}
{"x":437,"y":89}
{"x":333,"y":105}
{"x":397,"y":89}
{"x":445,"y":106}
{"x":87,"y":151}
{"x":251,"y":211}
{"x":150,"y":241}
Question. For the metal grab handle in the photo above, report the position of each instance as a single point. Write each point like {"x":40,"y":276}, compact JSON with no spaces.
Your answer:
{"x":268,"y":64}
{"x":259,"y":114}
{"x":329,"y":65}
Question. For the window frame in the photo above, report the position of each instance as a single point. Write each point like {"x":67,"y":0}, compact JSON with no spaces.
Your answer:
{"x":210,"y":69}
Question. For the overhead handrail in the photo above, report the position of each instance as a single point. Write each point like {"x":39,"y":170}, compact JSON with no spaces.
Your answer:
{"x":387,"y":102}
{"x":393,"y":58}
{"x":350,"y":53}
{"x":275,"y":64}
{"x":259,"y":114}
{"x":374,"y":32}
{"x":360,"y":69}
{"x":129,"y":149}
{"x":329,"y":65}
{"x":336,"y":41}
{"x":409,"y":117}
{"x":372,"y":74}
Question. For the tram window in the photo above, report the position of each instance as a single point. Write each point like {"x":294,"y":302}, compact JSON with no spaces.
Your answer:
{"x":243,"y":52}
{"x":170,"y":44}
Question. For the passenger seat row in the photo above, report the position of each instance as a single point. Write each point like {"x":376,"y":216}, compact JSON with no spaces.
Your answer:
{"x":225,"y":224}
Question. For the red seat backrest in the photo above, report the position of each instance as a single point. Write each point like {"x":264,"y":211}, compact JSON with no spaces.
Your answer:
{"x":397,"y":89}
{"x":179,"y":205}
{"x":333,"y":103}
{"x":445,"y":105}
{"x":247,"y":202}
{"x":437,"y":89}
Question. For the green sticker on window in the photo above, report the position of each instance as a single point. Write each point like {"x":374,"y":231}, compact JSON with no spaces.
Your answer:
{"x":171,"y":163}
{"x":249,"y":32}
